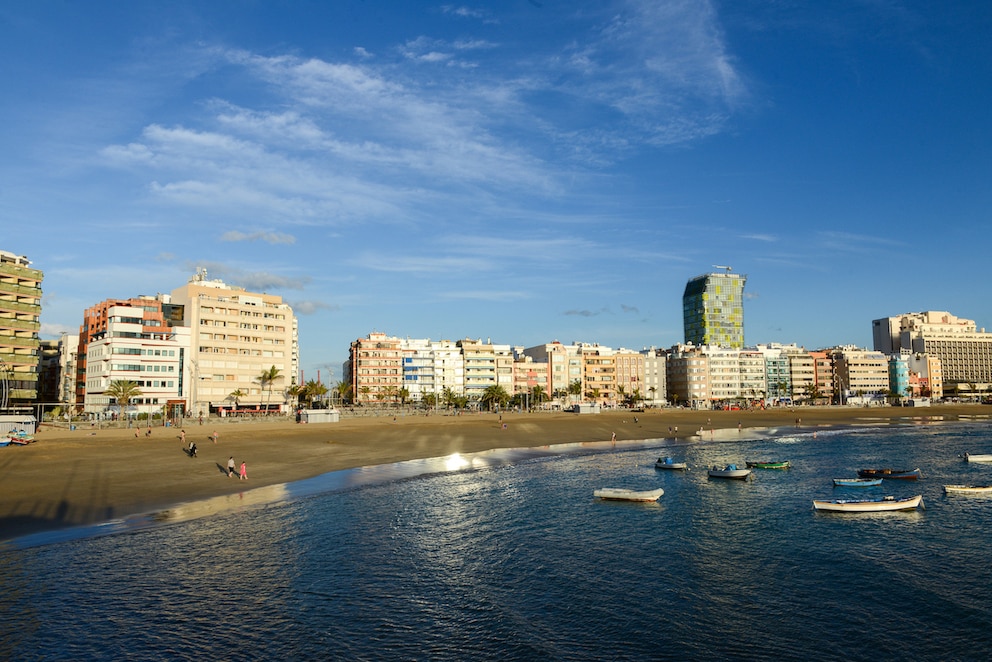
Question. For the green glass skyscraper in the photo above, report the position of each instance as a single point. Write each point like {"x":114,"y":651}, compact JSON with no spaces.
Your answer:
{"x":713,"y":310}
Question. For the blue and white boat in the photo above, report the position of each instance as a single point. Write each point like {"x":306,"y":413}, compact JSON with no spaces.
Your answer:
{"x":669,"y":463}
{"x":857,"y":482}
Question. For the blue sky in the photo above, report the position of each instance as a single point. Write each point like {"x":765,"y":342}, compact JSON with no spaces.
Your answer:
{"x":524,"y":171}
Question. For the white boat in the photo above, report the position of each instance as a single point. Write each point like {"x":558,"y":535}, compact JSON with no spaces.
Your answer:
{"x":977,"y":457}
{"x":730,"y":471}
{"x":870,"y":505}
{"x":669,"y":463}
{"x":967,"y":489}
{"x":621,"y":494}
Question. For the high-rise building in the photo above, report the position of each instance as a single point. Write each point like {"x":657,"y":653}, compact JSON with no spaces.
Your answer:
{"x":20,"y":321}
{"x":713,"y":310}
{"x":237,"y":337}
{"x":964,"y":350}
{"x":140,"y":340}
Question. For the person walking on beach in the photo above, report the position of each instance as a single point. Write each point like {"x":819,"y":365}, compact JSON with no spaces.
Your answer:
{"x":230,"y":467}
{"x":244,"y":472}
{"x":192,"y":449}
{"x":215,"y":436}
{"x":182,"y":435}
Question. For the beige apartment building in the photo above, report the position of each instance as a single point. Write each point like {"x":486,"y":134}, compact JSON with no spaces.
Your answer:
{"x":964,"y":350}
{"x":236,"y":336}
{"x":528,"y":375}
{"x":860,"y":373}
{"x":564,"y":367}
{"x":688,"y":375}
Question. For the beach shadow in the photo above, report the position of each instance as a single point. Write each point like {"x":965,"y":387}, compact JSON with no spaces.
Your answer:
{"x":221,"y":468}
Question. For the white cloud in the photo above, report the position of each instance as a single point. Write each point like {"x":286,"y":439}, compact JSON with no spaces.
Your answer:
{"x":267,"y":237}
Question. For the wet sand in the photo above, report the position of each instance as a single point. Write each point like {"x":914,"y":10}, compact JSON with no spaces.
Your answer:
{"x":70,"y":478}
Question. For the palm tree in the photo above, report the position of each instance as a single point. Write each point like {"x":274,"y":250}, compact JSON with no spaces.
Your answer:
{"x":344,"y":391}
{"x":266,"y":379}
{"x":494,"y":395}
{"x":313,"y":390}
{"x":123,"y":391}
{"x":538,"y":396}
{"x":296,"y":391}
{"x":236,"y":395}
{"x":575,"y":387}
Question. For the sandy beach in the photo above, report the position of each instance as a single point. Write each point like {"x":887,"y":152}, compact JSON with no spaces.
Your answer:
{"x":89,"y":475}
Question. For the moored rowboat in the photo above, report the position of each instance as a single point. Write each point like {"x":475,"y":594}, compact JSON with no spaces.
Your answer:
{"x":977,"y":457}
{"x":730,"y":471}
{"x":783,"y":464}
{"x":901,"y":474}
{"x":857,"y":482}
{"x":967,"y":489}
{"x":669,"y":463}
{"x":870,"y":505}
{"x":621,"y":494}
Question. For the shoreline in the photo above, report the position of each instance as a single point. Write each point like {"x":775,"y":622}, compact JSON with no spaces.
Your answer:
{"x":88,"y":477}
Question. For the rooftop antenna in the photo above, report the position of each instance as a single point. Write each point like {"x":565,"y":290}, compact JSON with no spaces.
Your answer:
{"x":720,"y":266}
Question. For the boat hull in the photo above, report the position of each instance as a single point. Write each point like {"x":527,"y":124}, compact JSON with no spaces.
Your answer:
{"x":891,"y":474}
{"x":968,"y":489}
{"x":869,"y":505}
{"x":732,"y":474}
{"x":857,"y":482}
{"x":621,"y":494}
{"x":977,"y":458}
{"x":673,"y":466}
{"x":769,"y":465}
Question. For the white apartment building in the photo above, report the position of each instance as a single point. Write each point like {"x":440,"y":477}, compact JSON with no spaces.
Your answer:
{"x":486,"y":365}
{"x":131,"y":350}
{"x":237,"y":335}
{"x":655,"y":381}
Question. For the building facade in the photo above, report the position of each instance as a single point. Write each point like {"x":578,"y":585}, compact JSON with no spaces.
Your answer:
{"x":713,"y":310}
{"x":860,"y":374}
{"x":20,"y":321}
{"x":236,"y":336}
{"x":964,"y":350}
{"x":141,"y":340}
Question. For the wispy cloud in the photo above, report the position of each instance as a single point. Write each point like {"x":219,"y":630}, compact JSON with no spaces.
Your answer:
{"x":253,"y":281}
{"x":856,"y":243}
{"x":485,"y":295}
{"x":309,"y":307}
{"x":586,"y":312}
{"x":267,"y":237}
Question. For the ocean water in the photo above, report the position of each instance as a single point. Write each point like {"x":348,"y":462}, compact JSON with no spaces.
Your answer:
{"x":509,"y":557}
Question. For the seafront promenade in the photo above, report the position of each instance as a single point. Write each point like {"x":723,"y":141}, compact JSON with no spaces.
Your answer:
{"x":90,"y":475}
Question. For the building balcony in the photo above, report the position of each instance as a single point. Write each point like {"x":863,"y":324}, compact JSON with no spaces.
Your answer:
{"x":13,"y":359}
{"x":22,"y":290}
{"x":19,"y":324}
{"x":18,"y":341}
{"x":9,"y":305}
{"x":11,"y":269}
